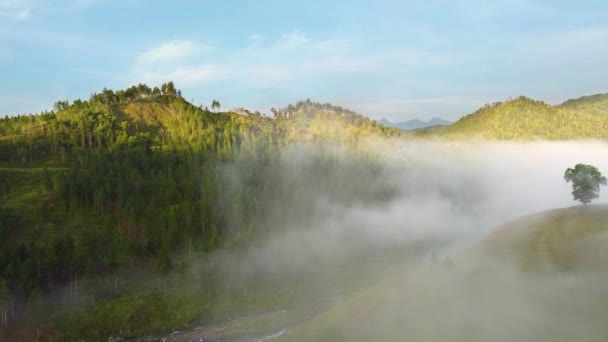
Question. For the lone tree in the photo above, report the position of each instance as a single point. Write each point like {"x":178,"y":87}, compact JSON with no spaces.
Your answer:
{"x":215,"y":105}
{"x":586,"y":181}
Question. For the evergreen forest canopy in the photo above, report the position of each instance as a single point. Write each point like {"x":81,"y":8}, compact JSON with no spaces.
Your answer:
{"x":143,"y":174}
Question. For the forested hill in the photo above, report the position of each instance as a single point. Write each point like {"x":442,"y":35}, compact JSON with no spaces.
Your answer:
{"x":142,"y":174}
{"x":161,"y":119}
{"x":525,"y":119}
{"x":316,"y":122}
{"x":594,"y":104}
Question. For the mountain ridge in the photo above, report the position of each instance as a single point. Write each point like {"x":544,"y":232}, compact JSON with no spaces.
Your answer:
{"x":524,"y":118}
{"x":414,"y":124}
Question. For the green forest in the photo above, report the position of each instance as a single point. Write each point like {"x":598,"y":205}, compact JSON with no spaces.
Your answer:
{"x":141,"y":179}
{"x":143,"y":176}
{"x":523,"y":118}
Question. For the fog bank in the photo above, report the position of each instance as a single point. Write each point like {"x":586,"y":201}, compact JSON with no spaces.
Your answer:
{"x":443,"y":191}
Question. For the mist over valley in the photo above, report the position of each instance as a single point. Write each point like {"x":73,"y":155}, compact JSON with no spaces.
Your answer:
{"x":303,"y":171}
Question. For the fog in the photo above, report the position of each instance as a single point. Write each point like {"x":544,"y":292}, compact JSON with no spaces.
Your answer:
{"x":453,"y":192}
{"x":383,"y":245}
{"x":444,"y":199}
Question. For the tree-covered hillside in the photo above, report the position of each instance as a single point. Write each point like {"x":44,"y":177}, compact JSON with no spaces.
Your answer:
{"x":526,"y":119}
{"x":142,"y":174}
{"x":594,"y":104}
{"x":308,"y":121}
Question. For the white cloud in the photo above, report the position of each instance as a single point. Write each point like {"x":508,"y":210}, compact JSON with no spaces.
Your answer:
{"x":187,"y":74}
{"x":408,"y":73}
{"x":294,"y":66}
{"x":293,"y":56}
{"x":178,"y":61}
{"x":167,"y":51}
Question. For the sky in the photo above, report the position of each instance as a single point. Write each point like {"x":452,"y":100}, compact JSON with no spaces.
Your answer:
{"x":385,"y":59}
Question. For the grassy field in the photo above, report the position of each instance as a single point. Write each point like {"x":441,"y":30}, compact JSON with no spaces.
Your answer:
{"x":538,"y":278}
{"x":564,"y":239}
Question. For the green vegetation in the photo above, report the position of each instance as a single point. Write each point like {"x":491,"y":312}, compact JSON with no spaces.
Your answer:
{"x":594,"y":104}
{"x":586,"y":181}
{"x":526,"y":119}
{"x":141,"y":176}
{"x":566,"y":239}
{"x":558,"y":282}
{"x":107,"y":204}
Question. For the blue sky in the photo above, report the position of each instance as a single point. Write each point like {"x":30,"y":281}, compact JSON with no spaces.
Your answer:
{"x":393,"y":59}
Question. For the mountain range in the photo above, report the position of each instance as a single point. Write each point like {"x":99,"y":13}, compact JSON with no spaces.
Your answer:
{"x":414,"y":124}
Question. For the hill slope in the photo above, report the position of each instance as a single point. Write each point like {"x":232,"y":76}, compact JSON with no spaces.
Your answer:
{"x":594,"y":104}
{"x":308,"y":121}
{"x":566,"y":239}
{"x":140,"y":178}
{"x":560,"y":262}
{"x":526,"y":119}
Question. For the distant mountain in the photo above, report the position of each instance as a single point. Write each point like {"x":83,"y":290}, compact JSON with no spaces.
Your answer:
{"x":525,"y":119}
{"x":416,"y":123}
{"x":438,"y":122}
